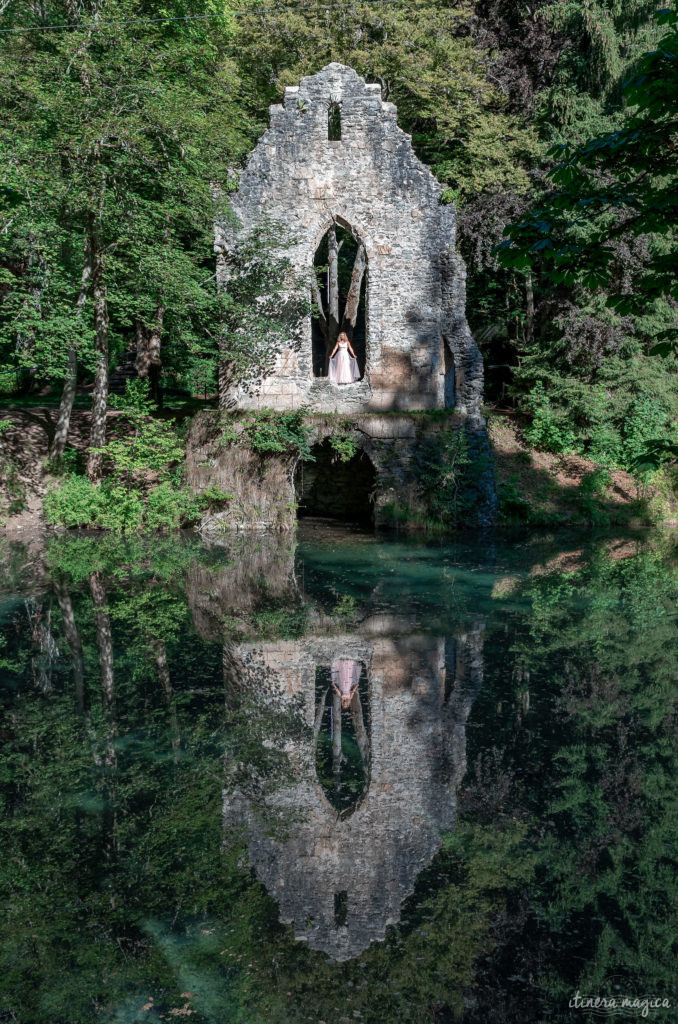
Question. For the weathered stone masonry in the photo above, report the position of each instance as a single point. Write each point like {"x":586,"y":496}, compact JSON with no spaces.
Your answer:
{"x":421,"y":690}
{"x":420,"y":352}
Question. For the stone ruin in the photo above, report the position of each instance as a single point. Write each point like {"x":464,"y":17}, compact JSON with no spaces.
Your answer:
{"x":421,"y":690}
{"x":334,"y":156}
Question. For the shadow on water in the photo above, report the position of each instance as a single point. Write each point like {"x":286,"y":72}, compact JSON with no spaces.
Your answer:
{"x":348,"y":778}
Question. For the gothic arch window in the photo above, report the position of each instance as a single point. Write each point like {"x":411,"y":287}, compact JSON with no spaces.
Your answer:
{"x":342,"y":732}
{"x":340,"y":284}
{"x":334,"y":122}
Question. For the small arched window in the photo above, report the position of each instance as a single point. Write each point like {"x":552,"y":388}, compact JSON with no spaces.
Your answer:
{"x":334,"y":122}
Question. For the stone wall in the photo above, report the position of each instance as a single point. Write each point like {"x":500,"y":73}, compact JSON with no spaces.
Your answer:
{"x":371,"y":183}
{"x":421,"y":690}
{"x":263,"y":486}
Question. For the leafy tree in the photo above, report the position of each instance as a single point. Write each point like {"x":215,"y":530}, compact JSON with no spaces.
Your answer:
{"x":427,"y":63}
{"x":618,"y":184}
{"x":608,"y":229}
{"x":123,"y":172}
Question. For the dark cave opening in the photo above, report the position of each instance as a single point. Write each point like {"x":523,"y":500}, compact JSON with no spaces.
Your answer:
{"x":333,"y":489}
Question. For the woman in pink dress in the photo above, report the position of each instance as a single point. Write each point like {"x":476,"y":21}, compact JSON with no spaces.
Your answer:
{"x":343,"y":367}
{"x":345,"y":678}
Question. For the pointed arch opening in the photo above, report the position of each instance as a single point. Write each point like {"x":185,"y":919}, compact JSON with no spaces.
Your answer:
{"x":334,"y":122}
{"x":339,"y":283}
{"x":342,"y":732}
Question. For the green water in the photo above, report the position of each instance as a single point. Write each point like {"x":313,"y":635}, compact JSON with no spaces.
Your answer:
{"x":194,"y":827}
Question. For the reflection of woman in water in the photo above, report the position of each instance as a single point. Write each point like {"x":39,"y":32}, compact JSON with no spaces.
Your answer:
{"x":345,"y":678}
{"x":343,"y":367}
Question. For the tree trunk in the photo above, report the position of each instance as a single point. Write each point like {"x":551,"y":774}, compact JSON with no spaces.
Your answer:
{"x":63,"y":422}
{"x":320,"y":711}
{"x":160,"y":651}
{"x":318,"y":302}
{"x":45,"y":648}
{"x":141,"y":360}
{"x":333,"y":293}
{"x":102,"y":624}
{"x":74,"y":644}
{"x":353,"y":297}
{"x":155,"y":363}
{"x":360,"y":729}
{"x":109,"y":762}
{"x":529,"y":309}
{"x":97,"y":436}
{"x":148,"y":361}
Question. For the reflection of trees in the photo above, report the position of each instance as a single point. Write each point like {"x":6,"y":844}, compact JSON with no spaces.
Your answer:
{"x":45,"y":647}
{"x":74,"y":642}
{"x":559,"y":868}
{"x":596,"y":647}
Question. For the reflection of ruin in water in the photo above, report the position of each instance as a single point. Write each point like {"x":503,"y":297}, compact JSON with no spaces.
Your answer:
{"x":340,"y":877}
{"x":341,"y":732}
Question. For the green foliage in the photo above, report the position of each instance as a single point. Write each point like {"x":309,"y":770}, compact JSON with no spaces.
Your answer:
{"x":126,"y":501}
{"x":123,"y":129}
{"x":443,"y":474}
{"x":229,"y":434}
{"x":214,"y":498}
{"x":123,"y":884}
{"x":592,"y":491}
{"x":427,"y":62}
{"x":278,"y":433}
{"x":76,"y":502}
{"x":646,"y":422}
{"x":618,"y":183}
{"x":168,"y":508}
{"x":346,"y":609}
{"x":344,"y":445}
{"x":544,"y":431}
{"x":264,"y":304}
{"x":116,"y":507}
{"x":150,"y":445}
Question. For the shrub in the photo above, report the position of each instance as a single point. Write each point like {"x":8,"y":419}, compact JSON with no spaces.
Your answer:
{"x":168,"y":508}
{"x":268,"y":431}
{"x":152,"y":444}
{"x":344,"y":445}
{"x":591,"y":495}
{"x":76,"y":502}
{"x":214,"y":498}
{"x":545,"y":432}
{"x":112,"y":506}
{"x":442,"y":467}
{"x":121,"y":510}
{"x":229,"y":433}
{"x":645,"y":422}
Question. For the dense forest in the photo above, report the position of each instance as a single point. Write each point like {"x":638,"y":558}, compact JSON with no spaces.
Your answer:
{"x":551,"y":125}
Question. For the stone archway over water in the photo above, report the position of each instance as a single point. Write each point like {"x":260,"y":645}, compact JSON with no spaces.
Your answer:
{"x":334,"y":489}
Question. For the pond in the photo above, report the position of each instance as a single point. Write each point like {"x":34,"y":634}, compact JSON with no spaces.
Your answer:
{"x":343,"y":778}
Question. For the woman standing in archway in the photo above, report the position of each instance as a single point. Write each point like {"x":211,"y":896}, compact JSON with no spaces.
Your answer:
{"x":343,"y":367}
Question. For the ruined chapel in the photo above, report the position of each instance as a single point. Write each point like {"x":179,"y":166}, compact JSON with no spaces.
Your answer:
{"x":335,"y":163}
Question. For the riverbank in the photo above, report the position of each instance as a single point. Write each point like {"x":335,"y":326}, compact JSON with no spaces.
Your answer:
{"x":533,"y":488}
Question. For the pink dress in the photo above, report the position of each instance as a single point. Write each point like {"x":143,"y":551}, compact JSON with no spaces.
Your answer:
{"x":345,"y":677}
{"x":343,"y":368}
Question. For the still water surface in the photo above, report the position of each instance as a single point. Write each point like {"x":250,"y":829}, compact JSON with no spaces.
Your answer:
{"x":347,"y":779}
